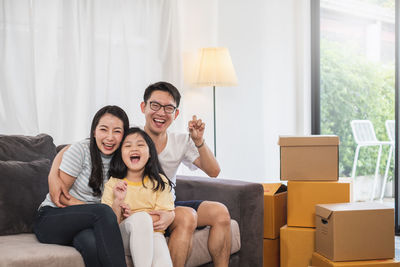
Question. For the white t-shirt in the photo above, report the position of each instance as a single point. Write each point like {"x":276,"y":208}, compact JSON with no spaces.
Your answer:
{"x":180,"y":148}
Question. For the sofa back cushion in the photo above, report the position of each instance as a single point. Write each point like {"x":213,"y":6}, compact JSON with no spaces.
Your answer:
{"x":24,"y":166}
{"x":23,"y":186}
{"x":26,"y":148}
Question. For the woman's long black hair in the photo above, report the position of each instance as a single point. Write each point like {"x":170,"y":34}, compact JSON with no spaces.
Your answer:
{"x":96,"y":176}
{"x":152,"y":169}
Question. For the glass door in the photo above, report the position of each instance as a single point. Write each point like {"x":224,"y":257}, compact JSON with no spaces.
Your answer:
{"x":353,"y":85}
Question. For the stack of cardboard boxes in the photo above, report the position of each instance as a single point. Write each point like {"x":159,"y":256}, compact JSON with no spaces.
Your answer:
{"x":354,"y":234}
{"x":275,"y":198}
{"x":310,"y":165}
{"x":319,"y":233}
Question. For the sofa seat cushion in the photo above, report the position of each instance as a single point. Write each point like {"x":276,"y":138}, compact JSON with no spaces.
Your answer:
{"x":25,"y":250}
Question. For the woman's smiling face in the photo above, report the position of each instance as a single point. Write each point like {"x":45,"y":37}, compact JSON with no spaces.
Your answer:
{"x":108,"y":133}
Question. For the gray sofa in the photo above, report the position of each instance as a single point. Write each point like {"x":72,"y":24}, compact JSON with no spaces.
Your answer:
{"x":24,"y":165}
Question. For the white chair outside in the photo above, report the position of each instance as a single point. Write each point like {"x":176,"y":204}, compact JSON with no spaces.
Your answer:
{"x":364,"y":136}
{"x":390,"y":129}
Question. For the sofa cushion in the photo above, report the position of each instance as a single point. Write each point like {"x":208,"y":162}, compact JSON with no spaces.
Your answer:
{"x":26,"y":148}
{"x":23,"y":186}
{"x":25,"y":250}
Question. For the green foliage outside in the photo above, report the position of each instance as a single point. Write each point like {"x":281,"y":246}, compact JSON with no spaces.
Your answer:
{"x":353,"y":88}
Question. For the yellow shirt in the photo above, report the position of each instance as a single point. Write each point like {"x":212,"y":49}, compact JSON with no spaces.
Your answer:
{"x":141,"y":198}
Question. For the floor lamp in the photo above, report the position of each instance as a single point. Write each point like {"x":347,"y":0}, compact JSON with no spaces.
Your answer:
{"x":215,"y":69}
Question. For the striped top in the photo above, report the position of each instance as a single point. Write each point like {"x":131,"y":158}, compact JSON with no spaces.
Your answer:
{"x":76,"y":162}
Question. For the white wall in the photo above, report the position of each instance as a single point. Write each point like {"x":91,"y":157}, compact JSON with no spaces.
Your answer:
{"x":269,"y":43}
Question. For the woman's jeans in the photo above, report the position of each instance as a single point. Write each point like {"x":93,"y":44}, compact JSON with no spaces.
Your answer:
{"x":91,"y":228}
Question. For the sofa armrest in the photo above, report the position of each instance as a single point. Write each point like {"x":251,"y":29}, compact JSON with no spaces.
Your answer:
{"x":245,"y":202}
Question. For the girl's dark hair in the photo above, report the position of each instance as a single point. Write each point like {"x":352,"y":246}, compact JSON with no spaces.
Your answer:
{"x":96,"y":176}
{"x":152,"y":169}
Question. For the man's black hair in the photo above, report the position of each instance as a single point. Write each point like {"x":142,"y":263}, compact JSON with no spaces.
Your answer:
{"x":162,"y":86}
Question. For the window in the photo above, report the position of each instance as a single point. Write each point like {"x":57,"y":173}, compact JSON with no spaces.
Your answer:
{"x":353,"y":78}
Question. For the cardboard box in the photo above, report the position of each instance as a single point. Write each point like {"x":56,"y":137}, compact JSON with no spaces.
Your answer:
{"x":321,"y":261}
{"x":297,"y":246}
{"x":314,"y":157}
{"x":275,"y":209}
{"x":303,"y":196}
{"x":271,"y":252}
{"x":355,"y":231}
{"x":351,"y":182}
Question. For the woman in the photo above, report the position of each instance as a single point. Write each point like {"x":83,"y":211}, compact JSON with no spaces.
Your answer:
{"x":83,"y":222}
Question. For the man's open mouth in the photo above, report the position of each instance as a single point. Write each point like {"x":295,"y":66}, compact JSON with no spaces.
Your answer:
{"x":159,"y":122}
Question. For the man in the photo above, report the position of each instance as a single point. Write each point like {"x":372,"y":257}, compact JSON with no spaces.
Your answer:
{"x":160,"y":107}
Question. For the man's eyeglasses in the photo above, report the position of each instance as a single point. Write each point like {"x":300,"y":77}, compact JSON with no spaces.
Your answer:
{"x":169,"y":109}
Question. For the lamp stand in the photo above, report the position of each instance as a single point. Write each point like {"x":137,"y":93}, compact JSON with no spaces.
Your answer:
{"x":215,"y":127}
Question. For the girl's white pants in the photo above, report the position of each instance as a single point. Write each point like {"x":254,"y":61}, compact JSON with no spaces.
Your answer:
{"x":147,"y":248}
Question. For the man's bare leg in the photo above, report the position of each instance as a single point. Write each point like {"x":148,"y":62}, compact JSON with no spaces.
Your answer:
{"x":216,"y":215}
{"x":180,"y":240}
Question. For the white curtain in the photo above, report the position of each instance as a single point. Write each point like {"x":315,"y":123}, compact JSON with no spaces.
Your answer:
{"x":61,"y":60}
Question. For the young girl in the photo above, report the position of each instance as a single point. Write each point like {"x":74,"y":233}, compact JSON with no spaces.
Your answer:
{"x":138,"y":186}
{"x":92,"y":229}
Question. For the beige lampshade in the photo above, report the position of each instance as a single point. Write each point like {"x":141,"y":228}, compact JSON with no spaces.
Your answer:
{"x":215,"y":68}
